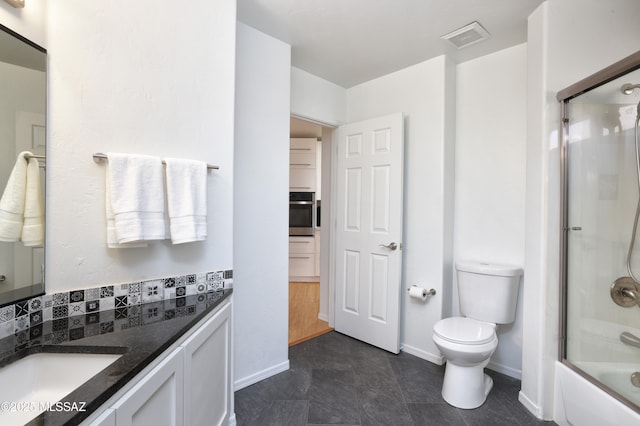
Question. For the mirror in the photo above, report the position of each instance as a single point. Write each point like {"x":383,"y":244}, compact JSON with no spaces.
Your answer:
{"x":22,"y":128}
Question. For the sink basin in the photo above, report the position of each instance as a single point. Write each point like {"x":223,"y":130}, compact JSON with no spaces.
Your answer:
{"x":28,"y":384}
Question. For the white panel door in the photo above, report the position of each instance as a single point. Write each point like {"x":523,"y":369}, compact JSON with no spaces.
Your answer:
{"x":369,"y":230}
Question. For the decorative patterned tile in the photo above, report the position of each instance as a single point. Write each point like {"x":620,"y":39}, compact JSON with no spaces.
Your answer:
{"x":7,"y":313}
{"x":22,"y":308}
{"x":77,"y":308}
{"x":92,"y":306}
{"x":50,"y":317}
{"x":35,"y":318}
{"x":107,"y":304}
{"x":35,"y":304}
{"x":22,"y":323}
{"x":47,"y":301}
{"x":7,"y":328}
{"x":151,"y":291}
{"x":121,"y":290}
{"x":60,"y":299}
{"x":76,"y":296}
{"x":106,"y":291}
{"x":60,"y":311}
{"x":134,"y":288}
{"x":134,"y":299}
{"x":181,"y":281}
{"x":91,"y":294}
{"x":47,"y":314}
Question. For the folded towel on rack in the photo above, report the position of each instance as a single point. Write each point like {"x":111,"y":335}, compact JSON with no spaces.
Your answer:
{"x":187,"y":199}
{"x":112,"y":236}
{"x":12,"y":201}
{"x":136,"y":198}
{"x":33,"y":227}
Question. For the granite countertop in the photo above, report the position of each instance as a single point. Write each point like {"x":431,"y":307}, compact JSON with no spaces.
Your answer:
{"x":140,"y":333}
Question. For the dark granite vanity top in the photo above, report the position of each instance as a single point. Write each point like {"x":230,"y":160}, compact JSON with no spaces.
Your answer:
{"x":140,"y":333}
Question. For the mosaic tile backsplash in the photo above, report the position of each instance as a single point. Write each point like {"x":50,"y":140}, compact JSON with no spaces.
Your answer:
{"x":77,"y":305}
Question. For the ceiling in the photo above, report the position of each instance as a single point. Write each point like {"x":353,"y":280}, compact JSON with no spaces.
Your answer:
{"x":349,"y":42}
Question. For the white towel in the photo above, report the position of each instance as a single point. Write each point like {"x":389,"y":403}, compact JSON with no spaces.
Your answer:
{"x":12,"y":201}
{"x":136,"y":197}
{"x":187,"y":199}
{"x":33,"y":228}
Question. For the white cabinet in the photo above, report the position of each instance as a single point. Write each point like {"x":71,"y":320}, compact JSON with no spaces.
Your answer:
{"x":302,"y":164}
{"x":191,"y":384}
{"x":207,"y":363}
{"x":158,"y":398}
{"x":302,"y":258}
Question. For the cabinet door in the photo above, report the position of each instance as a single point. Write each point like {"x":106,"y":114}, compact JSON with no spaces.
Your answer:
{"x":157,"y":399}
{"x":107,"y":418}
{"x":302,"y":180}
{"x":207,"y":360}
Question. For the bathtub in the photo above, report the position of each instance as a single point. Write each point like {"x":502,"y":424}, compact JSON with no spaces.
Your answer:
{"x":579,"y":402}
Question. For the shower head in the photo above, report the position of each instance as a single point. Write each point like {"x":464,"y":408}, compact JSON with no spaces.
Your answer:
{"x":628,"y":88}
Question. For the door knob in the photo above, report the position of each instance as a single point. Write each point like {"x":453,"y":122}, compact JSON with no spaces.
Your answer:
{"x":390,"y":246}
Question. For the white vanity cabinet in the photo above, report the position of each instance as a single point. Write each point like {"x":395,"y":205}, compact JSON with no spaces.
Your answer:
{"x":208,"y":389}
{"x":191,"y":384}
{"x":158,"y":398}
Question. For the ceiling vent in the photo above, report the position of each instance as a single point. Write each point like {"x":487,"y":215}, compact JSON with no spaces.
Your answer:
{"x":467,"y":35}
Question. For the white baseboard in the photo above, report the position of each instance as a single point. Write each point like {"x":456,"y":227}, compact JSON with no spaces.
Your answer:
{"x":260,"y":375}
{"x":529,"y":405}
{"x":232,"y":420}
{"x":511,"y":372}
{"x":323,"y":317}
{"x":420,"y":353}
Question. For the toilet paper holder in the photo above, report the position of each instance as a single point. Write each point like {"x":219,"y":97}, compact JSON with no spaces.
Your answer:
{"x":431,"y":292}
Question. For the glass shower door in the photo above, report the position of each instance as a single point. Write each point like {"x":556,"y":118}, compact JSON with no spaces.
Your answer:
{"x":601,"y":197}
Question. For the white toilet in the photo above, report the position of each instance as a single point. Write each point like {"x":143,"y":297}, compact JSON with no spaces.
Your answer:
{"x":488,"y":294}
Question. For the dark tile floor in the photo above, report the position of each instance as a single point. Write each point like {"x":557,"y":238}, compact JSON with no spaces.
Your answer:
{"x":334,"y":379}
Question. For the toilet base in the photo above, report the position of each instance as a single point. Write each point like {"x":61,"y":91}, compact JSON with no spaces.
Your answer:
{"x":466,"y":387}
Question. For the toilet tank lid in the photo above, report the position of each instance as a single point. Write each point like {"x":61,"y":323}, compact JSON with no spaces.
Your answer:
{"x":486,"y":268}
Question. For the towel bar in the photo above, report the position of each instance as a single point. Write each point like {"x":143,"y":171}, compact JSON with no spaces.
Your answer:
{"x":99,"y":156}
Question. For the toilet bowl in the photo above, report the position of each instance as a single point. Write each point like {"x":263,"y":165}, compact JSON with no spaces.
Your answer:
{"x":467,"y":345}
{"x":488,"y":296}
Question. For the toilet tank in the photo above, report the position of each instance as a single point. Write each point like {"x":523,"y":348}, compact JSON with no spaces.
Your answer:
{"x":488,"y":292}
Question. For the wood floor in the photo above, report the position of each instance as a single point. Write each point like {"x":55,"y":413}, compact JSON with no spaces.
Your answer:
{"x":304,"y":305}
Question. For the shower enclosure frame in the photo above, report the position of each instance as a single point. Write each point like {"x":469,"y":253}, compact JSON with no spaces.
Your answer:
{"x":618,"y":69}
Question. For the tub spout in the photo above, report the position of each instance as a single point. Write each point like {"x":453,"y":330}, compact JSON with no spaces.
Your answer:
{"x":630,"y":339}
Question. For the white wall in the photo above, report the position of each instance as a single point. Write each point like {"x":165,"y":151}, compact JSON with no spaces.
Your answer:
{"x":425,"y":93}
{"x":29,"y":22}
{"x":261,"y":194}
{"x":135,"y":77}
{"x":568,"y":40}
{"x":317,"y":99}
{"x":490,"y":169}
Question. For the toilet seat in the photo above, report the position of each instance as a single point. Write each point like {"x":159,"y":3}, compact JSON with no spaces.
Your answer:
{"x":467,"y":331}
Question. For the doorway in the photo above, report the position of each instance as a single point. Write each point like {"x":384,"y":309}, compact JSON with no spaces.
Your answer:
{"x":308,"y":251}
